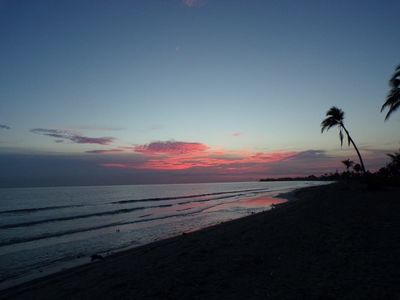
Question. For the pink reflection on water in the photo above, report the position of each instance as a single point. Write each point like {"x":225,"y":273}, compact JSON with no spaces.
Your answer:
{"x":261,"y":202}
{"x":251,"y":203}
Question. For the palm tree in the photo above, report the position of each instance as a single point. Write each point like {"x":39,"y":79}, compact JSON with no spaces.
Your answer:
{"x":392,"y":169}
{"x":357,"y":168}
{"x":393,"y":98}
{"x":348,"y":164}
{"x":394,"y":165}
{"x":335,"y":117}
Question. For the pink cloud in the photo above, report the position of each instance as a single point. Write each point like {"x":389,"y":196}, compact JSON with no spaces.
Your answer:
{"x":200,"y":160}
{"x":225,"y":165}
{"x":272,"y":156}
{"x":172,"y":155}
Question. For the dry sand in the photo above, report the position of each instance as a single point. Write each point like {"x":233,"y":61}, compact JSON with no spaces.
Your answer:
{"x":334,"y":242}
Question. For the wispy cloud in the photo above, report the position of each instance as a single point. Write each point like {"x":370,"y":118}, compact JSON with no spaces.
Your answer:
{"x":62,"y":135}
{"x":106,"y":151}
{"x":237,"y":133}
{"x":170,"y":147}
{"x":2,"y":126}
{"x":194,"y":3}
{"x":156,"y":127}
{"x":97,"y":128}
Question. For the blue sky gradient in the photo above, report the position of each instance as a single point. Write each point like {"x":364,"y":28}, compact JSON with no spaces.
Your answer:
{"x":241,"y":77}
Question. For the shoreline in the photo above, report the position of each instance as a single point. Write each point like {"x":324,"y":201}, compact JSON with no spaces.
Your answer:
{"x":75,"y":266}
{"x":82,"y":261}
{"x":297,"y":250}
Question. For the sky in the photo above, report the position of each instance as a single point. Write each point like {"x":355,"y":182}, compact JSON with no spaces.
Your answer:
{"x":175,"y":91}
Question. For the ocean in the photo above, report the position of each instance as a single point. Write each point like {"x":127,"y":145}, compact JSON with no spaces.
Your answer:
{"x":44,"y":230}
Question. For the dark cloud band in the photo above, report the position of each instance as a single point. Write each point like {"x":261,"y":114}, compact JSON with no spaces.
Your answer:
{"x":75,"y":138}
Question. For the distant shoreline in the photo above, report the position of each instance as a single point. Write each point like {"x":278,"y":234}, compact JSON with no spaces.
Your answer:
{"x":336,"y":241}
{"x":123,"y":184}
{"x":309,"y":178}
{"x":149,"y":184}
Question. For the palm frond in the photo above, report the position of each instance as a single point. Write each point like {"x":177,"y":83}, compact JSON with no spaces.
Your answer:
{"x":334,"y":117}
{"x":395,"y":79}
{"x":336,"y":113}
{"x":392,"y":156}
{"x":393,"y":98}
{"x":328,"y":124}
{"x":395,"y":82}
{"x":392,"y":102}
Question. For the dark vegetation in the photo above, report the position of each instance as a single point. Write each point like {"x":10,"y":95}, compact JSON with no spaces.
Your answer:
{"x":388,"y":175}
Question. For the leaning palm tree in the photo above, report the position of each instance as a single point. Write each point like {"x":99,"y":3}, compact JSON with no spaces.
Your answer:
{"x":393,"y":98}
{"x":335,"y":117}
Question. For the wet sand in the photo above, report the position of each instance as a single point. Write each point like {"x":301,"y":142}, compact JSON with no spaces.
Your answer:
{"x":333,"y":242}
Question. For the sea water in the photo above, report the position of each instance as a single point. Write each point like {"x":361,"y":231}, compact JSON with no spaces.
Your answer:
{"x":44,"y":230}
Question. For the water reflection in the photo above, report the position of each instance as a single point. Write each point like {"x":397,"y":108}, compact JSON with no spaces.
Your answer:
{"x":250,"y":204}
{"x":261,"y":202}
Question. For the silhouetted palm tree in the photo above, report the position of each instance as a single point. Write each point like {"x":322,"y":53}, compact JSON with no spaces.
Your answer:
{"x":348,"y":164}
{"x":335,"y":117}
{"x":394,"y":165}
{"x":392,"y":169}
{"x":395,"y":157}
{"x":393,"y":98}
{"x":357,"y":168}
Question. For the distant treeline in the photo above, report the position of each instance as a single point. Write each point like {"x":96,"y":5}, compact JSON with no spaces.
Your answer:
{"x":386,"y":176}
{"x":326,"y":177}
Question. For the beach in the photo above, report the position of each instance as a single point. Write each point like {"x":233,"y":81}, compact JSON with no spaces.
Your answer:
{"x":46,"y":230}
{"x":340,"y":241}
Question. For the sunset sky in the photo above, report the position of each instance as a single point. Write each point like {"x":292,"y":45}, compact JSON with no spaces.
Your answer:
{"x":171,"y":91}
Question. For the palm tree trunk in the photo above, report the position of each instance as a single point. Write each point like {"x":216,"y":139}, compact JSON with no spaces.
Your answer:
{"x":355,"y":147}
